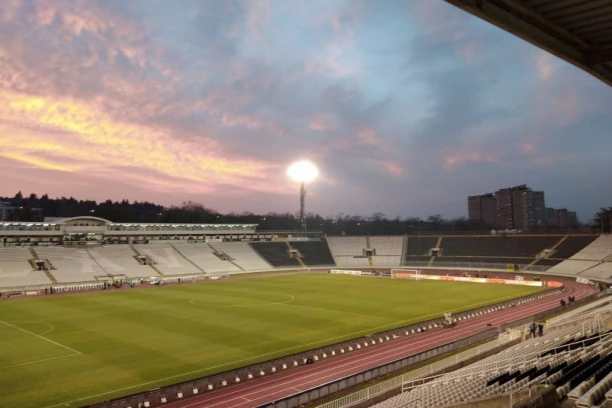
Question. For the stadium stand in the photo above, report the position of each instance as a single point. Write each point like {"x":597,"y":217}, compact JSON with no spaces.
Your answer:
{"x":203,"y":256}
{"x":574,"y":359}
{"x":598,"y":250}
{"x":572,"y":267}
{"x":601,"y":271}
{"x":544,"y":262}
{"x":314,"y":252}
{"x":419,"y":246}
{"x":15,"y":269}
{"x":71,"y":264}
{"x":349,"y":251}
{"x":118,"y":260}
{"x":168,"y":260}
{"x":590,"y":261}
{"x":276,"y":253}
{"x":572,"y":245}
{"x":387,"y":250}
{"x":475,"y":260}
{"x":498,"y":246}
{"x":242,"y":255}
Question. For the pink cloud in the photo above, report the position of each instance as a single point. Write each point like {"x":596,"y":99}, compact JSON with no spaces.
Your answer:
{"x":393,"y":168}
{"x":468,"y":50}
{"x":544,"y":65}
{"x":527,"y":148}
{"x":258,"y":15}
{"x":323,"y":122}
{"x":369,"y":136}
{"x":439,"y":22}
{"x":459,"y":157}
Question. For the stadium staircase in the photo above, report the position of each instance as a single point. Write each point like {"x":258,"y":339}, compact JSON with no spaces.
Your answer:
{"x":47,"y":270}
{"x":150,"y":263}
{"x":548,"y":252}
{"x":298,"y":258}
{"x":229,"y":258}
{"x":404,"y":250}
{"x":98,"y":263}
{"x":368,"y":246}
{"x":438,"y":245}
{"x":187,"y":259}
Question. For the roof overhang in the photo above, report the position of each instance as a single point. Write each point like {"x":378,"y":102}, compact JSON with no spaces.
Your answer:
{"x":577,"y":31}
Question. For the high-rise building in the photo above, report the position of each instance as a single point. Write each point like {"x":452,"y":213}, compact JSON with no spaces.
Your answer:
{"x":538,"y":205}
{"x":519,"y":208}
{"x":482,"y":208}
{"x":572,"y":219}
{"x":551,"y":218}
{"x":5,"y":207}
{"x":513,"y":207}
{"x":522,"y":208}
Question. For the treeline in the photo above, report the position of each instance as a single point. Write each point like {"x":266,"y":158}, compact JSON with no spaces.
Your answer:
{"x":602,"y":221}
{"x":33,"y":207}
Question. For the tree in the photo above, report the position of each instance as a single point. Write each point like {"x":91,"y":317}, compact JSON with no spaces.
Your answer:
{"x":602,"y":221}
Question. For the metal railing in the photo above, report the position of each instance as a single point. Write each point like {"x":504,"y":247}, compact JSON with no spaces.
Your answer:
{"x":394,"y":383}
{"x":511,"y":363}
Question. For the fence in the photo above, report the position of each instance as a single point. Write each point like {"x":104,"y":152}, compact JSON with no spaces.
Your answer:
{"x":371,"y":374}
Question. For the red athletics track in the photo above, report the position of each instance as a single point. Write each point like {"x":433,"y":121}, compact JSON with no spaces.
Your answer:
{"x":273,"y":387}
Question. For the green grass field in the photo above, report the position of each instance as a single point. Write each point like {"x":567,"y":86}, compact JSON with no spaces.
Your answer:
{"x":83,"y":348}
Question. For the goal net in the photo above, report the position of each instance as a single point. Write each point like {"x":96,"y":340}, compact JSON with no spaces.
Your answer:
{"x":406,"y":273}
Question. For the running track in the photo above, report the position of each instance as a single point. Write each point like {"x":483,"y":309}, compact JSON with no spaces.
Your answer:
{"x":273,"y":387}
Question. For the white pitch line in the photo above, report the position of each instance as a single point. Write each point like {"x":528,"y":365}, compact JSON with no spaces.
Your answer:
{"x":38,"y":361}
{"x":50,"y":330}
{"x":291,"y":299}
{"x":41,"y":337}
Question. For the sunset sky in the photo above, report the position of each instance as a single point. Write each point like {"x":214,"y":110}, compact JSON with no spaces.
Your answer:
{"x":407,"y":107}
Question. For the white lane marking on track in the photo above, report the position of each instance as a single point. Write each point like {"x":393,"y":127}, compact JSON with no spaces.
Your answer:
{"x":209,"y":368}
{"x":41,"y":337}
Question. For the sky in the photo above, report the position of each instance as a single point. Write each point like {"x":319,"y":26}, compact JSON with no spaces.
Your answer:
{"x":407,"y":107}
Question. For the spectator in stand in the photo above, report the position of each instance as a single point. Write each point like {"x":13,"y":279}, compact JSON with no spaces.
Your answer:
{"x":532,"y":329}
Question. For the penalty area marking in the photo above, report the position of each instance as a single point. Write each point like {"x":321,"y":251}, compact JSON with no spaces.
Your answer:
{"x":39,"y":361}
{"x":42,"y":338}
{"x":291,"y":298}
{"x":349,"y":335}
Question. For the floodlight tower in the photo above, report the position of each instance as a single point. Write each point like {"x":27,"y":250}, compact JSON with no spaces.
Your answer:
{"x":303,"y":172}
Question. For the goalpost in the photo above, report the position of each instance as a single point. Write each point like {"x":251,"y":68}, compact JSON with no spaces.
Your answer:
{"x":406,"y":273}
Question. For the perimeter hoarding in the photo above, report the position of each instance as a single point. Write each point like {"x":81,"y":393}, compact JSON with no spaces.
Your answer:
{"x":343,"y":272}
{"x":448,"y":278}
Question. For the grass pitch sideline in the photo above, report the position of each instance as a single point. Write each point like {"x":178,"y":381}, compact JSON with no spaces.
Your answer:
{"x":84,"y":348}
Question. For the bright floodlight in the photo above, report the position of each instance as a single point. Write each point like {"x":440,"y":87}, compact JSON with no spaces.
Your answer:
{"x":303,"y":171}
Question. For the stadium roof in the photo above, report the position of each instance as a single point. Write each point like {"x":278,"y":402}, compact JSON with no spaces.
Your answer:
{"x":578,"y":31}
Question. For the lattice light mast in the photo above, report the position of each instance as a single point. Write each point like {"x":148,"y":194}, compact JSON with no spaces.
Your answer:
{"x":303,"y":172}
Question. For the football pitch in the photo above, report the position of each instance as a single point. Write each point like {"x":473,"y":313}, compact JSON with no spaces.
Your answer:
{"x":73,"y":350}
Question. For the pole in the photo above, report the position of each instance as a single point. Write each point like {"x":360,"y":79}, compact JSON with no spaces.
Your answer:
{"x":302,"y":206}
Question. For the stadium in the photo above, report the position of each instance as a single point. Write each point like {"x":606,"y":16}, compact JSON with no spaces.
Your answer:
{"x":105,"y":314}
{"x":225,"y":315}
